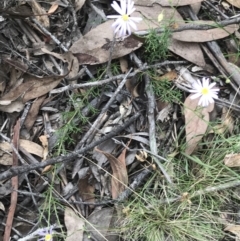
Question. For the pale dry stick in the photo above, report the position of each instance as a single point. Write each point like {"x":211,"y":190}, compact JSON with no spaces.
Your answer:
{"x":95,"y":126}
{"x":194,"y":26}
{"x":204,"y":191}
{"x":151,"y":118}
{"x":230,"y":105}
{"x":69,"y":157}
{"x":50,"y":35}
{"x":114,"y":78}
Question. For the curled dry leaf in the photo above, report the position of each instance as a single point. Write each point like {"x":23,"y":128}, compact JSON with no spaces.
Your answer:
{"x":232,"y":160}
{"x":6,"y":150}
{"x":235,"y":229}
{"x":101,"y":220}
{"x":33,"y":112}
{"x":119,"y":175}
{"x":74,"y":225}
{"x":31,"y":89}
{"x":196,"y":121}
{"x":235,"y":3}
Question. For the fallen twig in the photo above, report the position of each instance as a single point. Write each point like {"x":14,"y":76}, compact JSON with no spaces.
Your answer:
{"x":13,"y":171}
{"x":14,"y":195}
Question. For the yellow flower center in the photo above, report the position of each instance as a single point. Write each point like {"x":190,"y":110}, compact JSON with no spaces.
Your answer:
{"x":205,"y":91}
{"x":48,"y":237}
{"x":125,"y":17}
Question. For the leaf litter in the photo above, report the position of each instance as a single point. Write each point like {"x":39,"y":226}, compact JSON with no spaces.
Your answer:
{"x":122,"y":125}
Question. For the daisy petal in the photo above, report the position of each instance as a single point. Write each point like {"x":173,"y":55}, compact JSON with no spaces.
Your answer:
{"x":136,"y":19}
{"x":195,"y":96}
{"x":124,"y":6}
{"x":117,"y":8}
{"x":132,"y":24}
{"x":113,"y":16}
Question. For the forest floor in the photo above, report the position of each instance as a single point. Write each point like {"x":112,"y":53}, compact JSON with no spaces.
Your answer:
{"x":119,"y":123}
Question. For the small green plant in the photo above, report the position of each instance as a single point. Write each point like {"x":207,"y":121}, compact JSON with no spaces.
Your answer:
{"x":166,"y":91}
{"x":156,"y":45}
{"x":74,"y":119}
{"x":195,"y":206}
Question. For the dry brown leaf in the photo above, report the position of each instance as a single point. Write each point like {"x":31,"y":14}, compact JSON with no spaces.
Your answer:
{"x":33,"y":112}
{"x":119,"y":175}
{"x":6,"y":150}
{"x":232,"y":160}
{"x":40,"y":13}
{"x":189,"y":51}
{"x":31,"y":89}
{"x":86,"y":190}
{"x":53,"y":8}
{"x":74,"y":225}
{"x":196,"y":7}
{"x":93,"y":48}
{"x":150,"y":15}
{"x":79,"y":4}
{"x":123,"y":65}
{"x":200,"y":36}
{"x":235,"y":3}
{"x":171,"y":3}
{"x":31,"y":147}
{"x":5,"y":154}
{"x":44,"y":141}
{"x":196,"y":120}
{"x":10,"y":107}
{"x":101,"y":220}
{"x":170,"y":76}
{"x":235,"y":229}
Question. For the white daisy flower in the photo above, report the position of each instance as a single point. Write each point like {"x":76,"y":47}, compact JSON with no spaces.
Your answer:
{"x":205,"y":91}
{"x":124,"y":22}
{"x":46,"y":234}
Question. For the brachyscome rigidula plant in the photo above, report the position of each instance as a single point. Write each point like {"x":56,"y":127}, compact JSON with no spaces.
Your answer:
{"x":46,"y":234}
{"x":206,"y":91}
{"x":124,"y":22}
